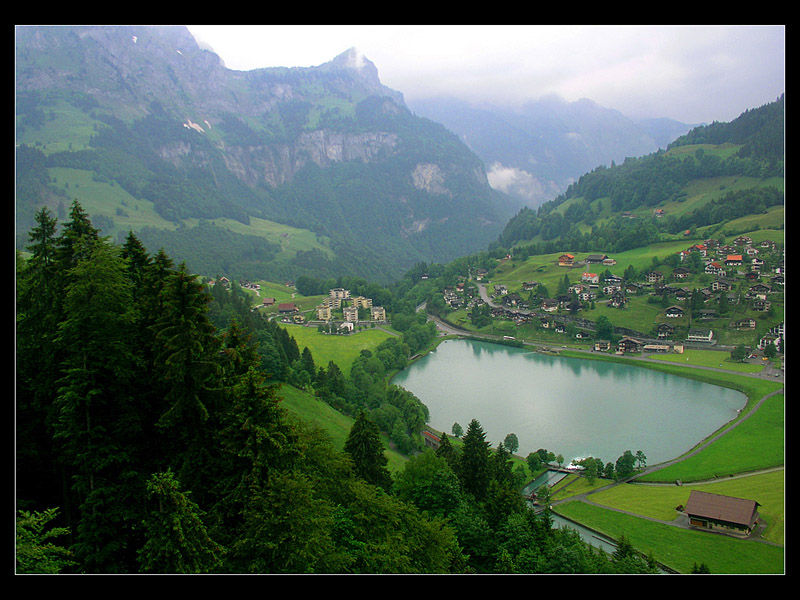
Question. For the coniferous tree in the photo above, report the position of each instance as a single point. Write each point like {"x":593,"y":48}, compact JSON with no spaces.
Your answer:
{"x":97,"y":430}
{"x":474,"y":466}
{"x":364,"y":447}
{"x":37,"y":366}
{"x":177,"y":538}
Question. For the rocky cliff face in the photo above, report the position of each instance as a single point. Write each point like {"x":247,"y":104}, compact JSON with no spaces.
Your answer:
{"x":276,"y":164}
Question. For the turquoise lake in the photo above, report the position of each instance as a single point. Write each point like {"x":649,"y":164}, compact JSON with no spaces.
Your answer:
{"x":570,"y":406}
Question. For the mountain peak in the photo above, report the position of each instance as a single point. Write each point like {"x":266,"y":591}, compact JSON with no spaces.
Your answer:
{"x":357,"y":65}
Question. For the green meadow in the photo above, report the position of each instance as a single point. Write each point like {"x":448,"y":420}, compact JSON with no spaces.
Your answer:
{"x":341,"y":349}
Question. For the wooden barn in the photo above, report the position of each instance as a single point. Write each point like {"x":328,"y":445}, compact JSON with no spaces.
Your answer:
{"x":721,"y":513}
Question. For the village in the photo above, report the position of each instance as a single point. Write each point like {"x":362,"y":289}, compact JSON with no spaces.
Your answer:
{"x":340,"y":312}
{"x":741,"y":277}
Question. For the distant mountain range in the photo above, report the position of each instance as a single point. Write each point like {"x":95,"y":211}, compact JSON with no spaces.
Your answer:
{"x":536,"y":152}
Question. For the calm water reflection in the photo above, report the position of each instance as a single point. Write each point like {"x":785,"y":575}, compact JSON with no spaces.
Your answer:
{"x":570,"y":406}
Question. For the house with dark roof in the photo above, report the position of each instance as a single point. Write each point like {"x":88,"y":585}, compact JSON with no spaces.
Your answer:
{"x":721,"y":513}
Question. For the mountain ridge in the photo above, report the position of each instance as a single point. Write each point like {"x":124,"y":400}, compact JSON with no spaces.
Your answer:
{"x":547,"y":143}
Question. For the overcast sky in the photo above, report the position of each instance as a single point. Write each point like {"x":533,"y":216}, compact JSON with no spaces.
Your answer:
{"x":694,"y":74}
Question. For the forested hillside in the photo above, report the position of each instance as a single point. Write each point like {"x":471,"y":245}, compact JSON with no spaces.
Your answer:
{"x":616,"y":208}
{"x":151,"y":438}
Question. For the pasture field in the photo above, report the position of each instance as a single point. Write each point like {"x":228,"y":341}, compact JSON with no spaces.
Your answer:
{"x":660,"y":501}
{"x":709,"y":358}
{"x":341,"y":349}
{"x":680,"y":548}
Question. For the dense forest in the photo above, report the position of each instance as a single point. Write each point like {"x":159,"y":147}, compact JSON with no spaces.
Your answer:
{"x":151,"y":437}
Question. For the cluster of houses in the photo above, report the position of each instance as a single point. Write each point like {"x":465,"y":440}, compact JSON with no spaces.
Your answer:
{"x":729,"y":264}
{"x":340,"y":299}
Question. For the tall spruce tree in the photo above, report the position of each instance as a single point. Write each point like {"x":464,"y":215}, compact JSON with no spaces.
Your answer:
{"x":98,"y":424}
{"x":474,"y":467}
{"x":364,"y":446}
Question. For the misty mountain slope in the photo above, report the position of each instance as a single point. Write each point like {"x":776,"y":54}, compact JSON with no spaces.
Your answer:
{"x":704,"y":181}
{"x":534,"y":153}
{"x":153,"y":133}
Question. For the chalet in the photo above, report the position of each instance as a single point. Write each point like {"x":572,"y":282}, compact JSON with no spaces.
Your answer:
{"x":500,"y":289}
{"x":610,"y":288}
{"x":529,"y":285}
{"x":700,"y":335}
{"x":681,"y":273}
{"x":287,"y":308}
{"x":721,"y":513}
{"x":714,"y":268}
{"x":590,"y":278}
{"x":549,"y":305}
{"x":512,"y":299}
{"x":756,"y":264}
{"x":706,"y":313}
{"x":733,"y":260}
{"x":752,"y":276}
{"x":722,"y":285}
{"x":654,"y":276}
{"x":761,"y":305}
{"x":674,"y":312}
{"x":701,"y":249}
{"x":665,"y":331}
{"x":609,"y":262}
{"x":595,"y":258}
{"x":658,"y":213}
{"x":683,"y":293}
{"x":587,"y":295}
{"x":629,"y":345}
{"x":602,"y":345}
{"x":633,"y":288}
{"x":566,"y":260}
{"x":759,"y":291}
{"x":767,"y":245}
{"x":657,"y":348}
{"x":268,"y":302}
{"x":743,"y":240}
{"x":613,"y":280}
{"x":617,"y":300}
{"x":768,"y":339}
{"x":743,"y":324}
